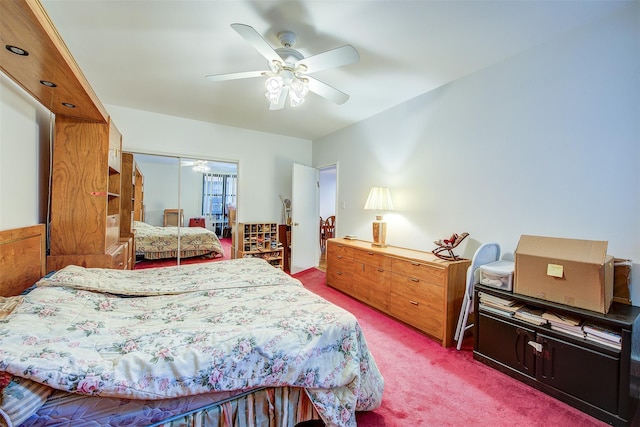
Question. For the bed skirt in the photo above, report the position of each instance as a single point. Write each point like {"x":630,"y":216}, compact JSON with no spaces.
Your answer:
{"x":268,"y":407}
{"x":174,"y":254}
{"x":263,"y":407}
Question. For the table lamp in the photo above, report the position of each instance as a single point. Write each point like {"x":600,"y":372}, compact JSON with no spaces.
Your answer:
{"x":379,"y":200}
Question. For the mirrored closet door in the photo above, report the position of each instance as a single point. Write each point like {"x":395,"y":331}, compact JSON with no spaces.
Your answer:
{"x":180,"y":198}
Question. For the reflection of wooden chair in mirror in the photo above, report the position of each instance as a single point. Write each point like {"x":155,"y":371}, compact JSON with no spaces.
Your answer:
{"x":171,"y":217}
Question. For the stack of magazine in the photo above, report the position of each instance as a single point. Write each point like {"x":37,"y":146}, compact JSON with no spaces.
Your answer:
{"x":531,"y":315}
{"x":497,"y":305}
{"x":602,"y":335}
{"x":563,"y":323}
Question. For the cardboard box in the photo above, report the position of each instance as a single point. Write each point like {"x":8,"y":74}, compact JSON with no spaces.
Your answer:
{"x":574,"y":272}
{"x":622,"y":280}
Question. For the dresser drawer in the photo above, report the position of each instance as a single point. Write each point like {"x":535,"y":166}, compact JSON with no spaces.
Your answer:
{"x":422,"y":291}
{"x":417,"y":315}
{"x":374,"y":259}
{"x":414,"y":269}
{"x":119,"y":255}
{"x":337,"y":261}
{"x":337,"y":249}
{"x":342,"y":276}
{"x":418,"y":303}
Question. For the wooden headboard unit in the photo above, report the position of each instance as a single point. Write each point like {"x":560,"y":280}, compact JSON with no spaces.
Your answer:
{"x":22,"y":258}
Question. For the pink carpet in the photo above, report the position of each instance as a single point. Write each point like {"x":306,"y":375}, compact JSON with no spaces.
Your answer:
{"x":427,"y":385}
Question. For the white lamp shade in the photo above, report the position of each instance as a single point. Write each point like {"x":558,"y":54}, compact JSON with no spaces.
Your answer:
{"x":379,"y":199}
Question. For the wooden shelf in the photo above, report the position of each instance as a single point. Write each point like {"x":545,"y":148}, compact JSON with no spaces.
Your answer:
{"x":260,"y":240}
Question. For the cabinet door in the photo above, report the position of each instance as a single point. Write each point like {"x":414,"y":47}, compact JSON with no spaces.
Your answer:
{"x":374,"y":282}
{"x":373,"y":286}
{"x":507,"y":343}
{"x":581,"y":372}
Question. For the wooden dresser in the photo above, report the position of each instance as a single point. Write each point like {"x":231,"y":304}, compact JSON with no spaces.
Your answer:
{"x":413,"y":286}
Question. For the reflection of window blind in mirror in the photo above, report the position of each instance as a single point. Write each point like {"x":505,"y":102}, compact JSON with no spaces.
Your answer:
{"x":218,"y":193}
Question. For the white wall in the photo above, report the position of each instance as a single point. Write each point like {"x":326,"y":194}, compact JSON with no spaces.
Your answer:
{"x":160,"y":189}
{"x":264,"y":160}
{"x":544,"y":143}
{"x":24,"y":157}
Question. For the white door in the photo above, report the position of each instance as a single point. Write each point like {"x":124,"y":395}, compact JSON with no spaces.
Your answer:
{"x":304,"y":218}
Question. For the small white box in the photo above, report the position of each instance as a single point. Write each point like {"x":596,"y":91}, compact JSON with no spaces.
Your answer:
{"x":498,"y":274}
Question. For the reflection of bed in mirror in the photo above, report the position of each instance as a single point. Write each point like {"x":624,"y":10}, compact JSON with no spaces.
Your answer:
{"x":202,"y":344}
{"x":172,"y":183}
{"x":153,"y":242}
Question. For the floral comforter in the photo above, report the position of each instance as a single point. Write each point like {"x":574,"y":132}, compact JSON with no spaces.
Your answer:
{"x":162,"y":242}
{"x":165,"y":332}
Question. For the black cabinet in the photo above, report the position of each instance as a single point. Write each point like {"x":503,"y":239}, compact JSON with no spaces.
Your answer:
{"x":592,"y":377}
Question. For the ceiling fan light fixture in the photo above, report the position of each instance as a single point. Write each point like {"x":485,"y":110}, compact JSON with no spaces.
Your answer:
{"x":274,"y":85}
{"x":201,"y":166}
{"x":288,"y":80}
{"x":297,"y":87}
{"x":299,"y":90}
{"x":292,"y":68}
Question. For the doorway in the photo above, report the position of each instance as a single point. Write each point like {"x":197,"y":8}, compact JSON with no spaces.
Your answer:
{"x":327,"y":205}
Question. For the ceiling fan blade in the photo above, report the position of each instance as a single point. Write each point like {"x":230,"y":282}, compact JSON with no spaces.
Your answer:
{"x":257,"y":41}
{"x":331,"y":59}
{"x":234,"y":76}
{"x":326,"y":91}
{"x":281,"y":101}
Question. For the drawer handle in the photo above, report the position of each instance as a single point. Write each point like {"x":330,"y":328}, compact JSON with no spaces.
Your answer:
{"x":370,"y":253}
{"x":417,"y":264}
{"x":380,"y":270}
{"x":414,"y":302}
{"x":536,"y":345}
{"x":339,"y":273}
{"x":339,"y":257}
{"x":413,"y":279}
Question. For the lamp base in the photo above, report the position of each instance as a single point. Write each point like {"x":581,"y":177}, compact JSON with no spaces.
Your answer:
{"x":379,"y":233}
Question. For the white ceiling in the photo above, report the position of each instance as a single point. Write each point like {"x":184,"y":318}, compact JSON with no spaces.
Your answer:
{"x":154,"y":55}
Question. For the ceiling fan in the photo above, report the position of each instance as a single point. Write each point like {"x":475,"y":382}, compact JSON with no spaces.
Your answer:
{"x":288,"y":70}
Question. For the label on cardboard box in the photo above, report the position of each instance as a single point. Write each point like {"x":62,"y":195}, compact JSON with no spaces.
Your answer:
{"x":555,"y":270}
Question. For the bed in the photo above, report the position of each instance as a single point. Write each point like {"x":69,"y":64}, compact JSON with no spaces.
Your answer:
{"x":213,"y":344}
{"x":154,"y":242}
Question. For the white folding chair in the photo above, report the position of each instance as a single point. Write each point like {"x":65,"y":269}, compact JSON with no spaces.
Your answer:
{"x":486,"y":253}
